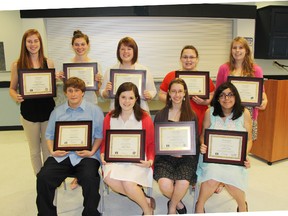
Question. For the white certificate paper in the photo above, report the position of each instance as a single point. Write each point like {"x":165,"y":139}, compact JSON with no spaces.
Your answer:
{"x":37,"y":83}
{"x":120,"y":78}
{"x":84,"y":73}
{"x":248,"y":91}
{"x":175,"y":138}
{"x":73,"y":136}
{"x":125,"y":146}
{"x":196,"y":84}
{"x":225,"y":147}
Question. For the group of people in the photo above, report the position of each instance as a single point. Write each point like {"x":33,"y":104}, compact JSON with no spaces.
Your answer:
{"x":130,"y":110}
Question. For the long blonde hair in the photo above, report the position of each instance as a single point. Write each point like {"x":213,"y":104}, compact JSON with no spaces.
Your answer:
{"x":248,"y":63}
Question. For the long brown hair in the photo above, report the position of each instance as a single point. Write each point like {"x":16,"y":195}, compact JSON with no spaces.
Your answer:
{"x":24,"y":60}
{"x":248,"y":63}
{"x":187,"y":114}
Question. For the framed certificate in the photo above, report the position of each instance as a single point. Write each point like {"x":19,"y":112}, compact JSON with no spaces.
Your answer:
{"x":198,"y":82}
{"x":119,"y":76}
{"x":84,"y":71}
{"x":125,"y":146}
{"x":37,"y":83}
{"x":175,"y":138}
{"x":73,"y":135}
{"x":249,"y":88}
{"x":225,"y":147}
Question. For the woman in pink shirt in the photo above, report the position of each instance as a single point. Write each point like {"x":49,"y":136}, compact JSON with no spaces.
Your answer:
{"x":241,"y":64}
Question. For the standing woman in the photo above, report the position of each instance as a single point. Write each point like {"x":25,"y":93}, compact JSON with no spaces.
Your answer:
{"x":127,"y":55}
{"x":189,"y":59}
{"x":128,"y":178}
{"x":174,"y":174}
{"x":241,"y":64}
{"x":81,"y":46}
{"x":34,"y":112}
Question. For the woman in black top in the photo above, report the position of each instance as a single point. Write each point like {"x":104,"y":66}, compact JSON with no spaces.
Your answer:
{"x":34,"y":112}
{"x":174,"y":173}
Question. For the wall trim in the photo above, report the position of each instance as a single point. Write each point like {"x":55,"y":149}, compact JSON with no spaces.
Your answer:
{"x":9,"y":128}
{"x":188,"y":10}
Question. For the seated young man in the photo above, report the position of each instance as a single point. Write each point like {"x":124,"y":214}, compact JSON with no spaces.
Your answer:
{"x":61,"y":164}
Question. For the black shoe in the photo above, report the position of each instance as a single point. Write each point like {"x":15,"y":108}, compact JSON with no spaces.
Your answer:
{"x":183,"y":210}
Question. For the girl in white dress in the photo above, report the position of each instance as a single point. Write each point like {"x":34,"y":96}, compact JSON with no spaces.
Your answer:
{"x":127,"y":178}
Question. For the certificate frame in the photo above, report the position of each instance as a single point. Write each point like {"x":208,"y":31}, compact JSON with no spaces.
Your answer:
{"x":78,"y":70}
{"x":235,"y":140}
{"x":112,"y":144}
{"x":248,"y":85}
{"x":68,"y":128}
{"x":162,"y":129}
{"x":202,"y":79}
{"x":117,"y":77}
{"x":36,"y":77}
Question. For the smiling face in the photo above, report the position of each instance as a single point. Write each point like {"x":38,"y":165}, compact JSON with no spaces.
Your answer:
{"x":177,"y":93}
{"x":127,"y":101}
{"x":227,"y":99}
{"x":189,"y":60}
{"x":33,"y":44}
{"x":238,"y":51}
{"x":80,"y":47}
{"x":126,"y":54}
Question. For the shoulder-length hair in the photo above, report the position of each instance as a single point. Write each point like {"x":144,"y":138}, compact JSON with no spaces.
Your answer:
{"x":24,"y":60}
{"x":248,"y":63}
{"x":127,"y":86}
{"x":130,"y":42}
{"x":187,"y":114}
{"x":238,"y":108}
{"x":79,"y":34}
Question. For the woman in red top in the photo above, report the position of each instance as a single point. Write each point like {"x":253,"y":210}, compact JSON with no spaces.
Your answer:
{"x":128,"y":178}
{"x":189,"y":59}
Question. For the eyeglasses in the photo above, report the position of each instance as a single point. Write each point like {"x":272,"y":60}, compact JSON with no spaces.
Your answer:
{"x":189,"y":57}
{"x":175,"y":92}
{"x":223,"y":95}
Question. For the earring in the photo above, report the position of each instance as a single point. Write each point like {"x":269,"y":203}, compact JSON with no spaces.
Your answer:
{"x":184,"y":99}
{"x":170,"y":99}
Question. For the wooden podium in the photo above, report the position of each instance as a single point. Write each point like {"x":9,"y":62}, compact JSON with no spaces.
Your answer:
{"x":272,"y":140}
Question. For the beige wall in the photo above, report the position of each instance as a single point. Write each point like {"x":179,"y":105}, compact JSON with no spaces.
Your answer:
{"x":13,"y":27}
{"x":10,"y":34}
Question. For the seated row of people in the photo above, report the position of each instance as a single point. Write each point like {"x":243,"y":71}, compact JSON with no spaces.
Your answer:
{"x":174,"y":174}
